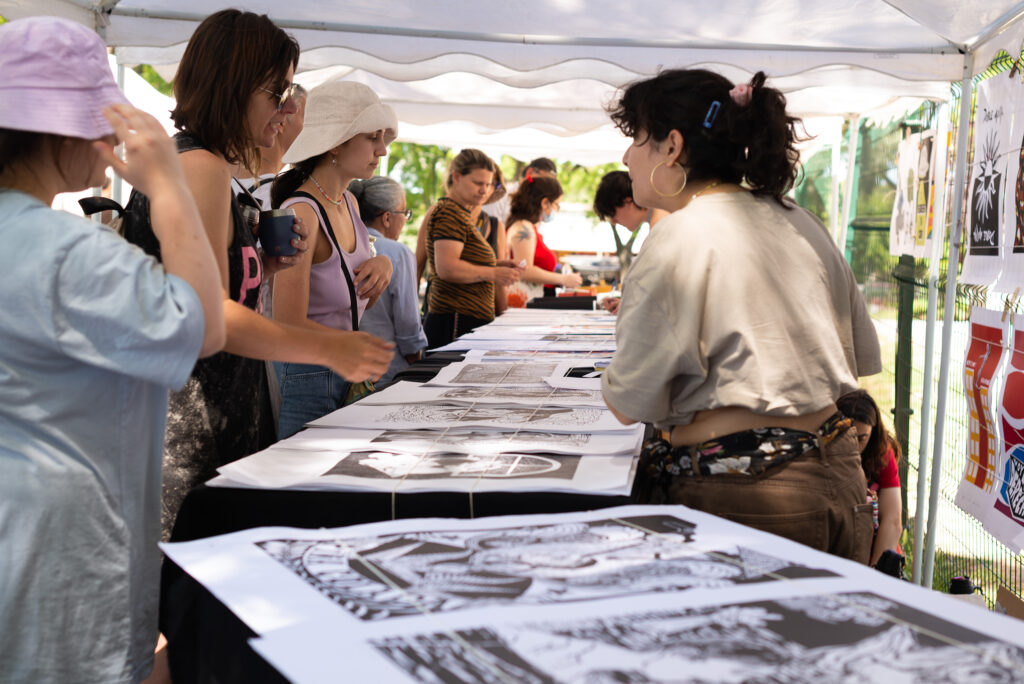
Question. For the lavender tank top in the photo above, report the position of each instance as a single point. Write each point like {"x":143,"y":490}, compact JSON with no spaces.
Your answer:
{"x":328,"y":292}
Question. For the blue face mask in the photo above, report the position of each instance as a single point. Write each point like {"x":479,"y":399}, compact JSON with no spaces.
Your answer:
{"x":546,"y":218}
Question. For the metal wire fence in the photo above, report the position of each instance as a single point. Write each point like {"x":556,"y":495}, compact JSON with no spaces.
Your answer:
{"x":962,"y":546}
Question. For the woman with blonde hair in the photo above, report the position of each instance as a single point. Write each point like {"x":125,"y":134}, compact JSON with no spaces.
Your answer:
{"x":465,"y":270}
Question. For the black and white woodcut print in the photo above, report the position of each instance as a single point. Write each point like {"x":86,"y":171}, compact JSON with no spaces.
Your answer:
{"x":378,"y":578}
{"x":855,"y":638}
{"x":393,"y":465}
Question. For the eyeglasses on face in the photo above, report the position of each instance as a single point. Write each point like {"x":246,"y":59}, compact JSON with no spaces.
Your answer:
{"x":407,"y":213}
{"x":282,"y":98}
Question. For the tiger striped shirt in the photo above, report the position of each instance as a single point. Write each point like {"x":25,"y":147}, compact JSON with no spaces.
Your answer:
{"x":451,"y":221}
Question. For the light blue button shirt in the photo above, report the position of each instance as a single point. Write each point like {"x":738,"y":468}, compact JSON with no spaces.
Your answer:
{"x":94,"y":334}
{"x":396,"y":315}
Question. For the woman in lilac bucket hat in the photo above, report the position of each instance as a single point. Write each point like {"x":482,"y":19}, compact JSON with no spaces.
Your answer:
{"x":95,"y":333}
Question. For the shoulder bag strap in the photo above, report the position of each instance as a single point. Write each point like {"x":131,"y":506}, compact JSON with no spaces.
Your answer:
{"x":353,"y":301}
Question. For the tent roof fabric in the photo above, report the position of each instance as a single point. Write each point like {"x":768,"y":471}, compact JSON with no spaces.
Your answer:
{"x":552,"y":65}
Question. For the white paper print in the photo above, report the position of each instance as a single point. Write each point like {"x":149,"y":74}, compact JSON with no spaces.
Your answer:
{"x":1012,"y":230}
{"x":398,"y":472}
{"x":1005,"y":518}
{"x":507,"y":374}
{"x":412,"y":393}
{"x":433,"y":416}
{"x":981,"y":389}
{"x":985,"y":220}
{"x":903,"y":224}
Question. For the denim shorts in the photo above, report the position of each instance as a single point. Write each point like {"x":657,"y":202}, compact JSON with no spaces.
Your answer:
{"x":308,"y":392}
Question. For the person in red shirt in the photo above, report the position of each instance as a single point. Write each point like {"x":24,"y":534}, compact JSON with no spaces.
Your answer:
{"x":536,"y":201}
{"x":879,"y":454}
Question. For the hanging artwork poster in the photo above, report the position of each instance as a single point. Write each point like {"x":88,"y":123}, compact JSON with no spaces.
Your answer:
{"x":1012,"y":230}
{"x":938,"y":156}
{"x":984,"y":356}
{"x":904,"y":208}
{"x":1005,"y":521}
{"x":983,"y":263}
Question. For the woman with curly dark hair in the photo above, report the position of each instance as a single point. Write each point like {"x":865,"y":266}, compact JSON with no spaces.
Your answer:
{"x":740,"y":323}
{"x":879,"y":456}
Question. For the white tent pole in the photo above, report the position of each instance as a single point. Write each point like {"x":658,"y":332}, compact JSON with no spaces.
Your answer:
{"x":851,"y":166}
{"x":837,"y":160}
{"x":118,"y":189}
{"x":938,"y":240}
{"x":956,"y":232}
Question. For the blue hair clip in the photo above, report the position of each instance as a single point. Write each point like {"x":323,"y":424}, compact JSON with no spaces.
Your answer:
{"x":709,"y":118}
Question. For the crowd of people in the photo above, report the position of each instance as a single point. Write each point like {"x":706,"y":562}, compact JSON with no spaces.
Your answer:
{"x":135,"y":365}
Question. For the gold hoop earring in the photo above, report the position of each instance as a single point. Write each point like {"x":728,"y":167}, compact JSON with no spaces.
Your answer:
{"x":659,"y":192}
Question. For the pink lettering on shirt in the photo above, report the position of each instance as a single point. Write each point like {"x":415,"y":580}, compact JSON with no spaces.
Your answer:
{"x":252,"y":270}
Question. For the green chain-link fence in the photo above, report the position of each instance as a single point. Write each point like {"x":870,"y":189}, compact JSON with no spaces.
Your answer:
{"x":962,"y":546}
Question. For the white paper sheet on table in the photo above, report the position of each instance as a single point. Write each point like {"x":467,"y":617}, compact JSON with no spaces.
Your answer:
{"x":433,"y":416}
{"x":414,"y":393}
{"x":508,"y":374}
{"x":466,"y":343}
{"x":559,"y":378}
{"x":660,"y":592}
{"x":470,"y":441}
{"x":383,"y":471}
{"x":512,"y":332}
{"x":492,"y":355}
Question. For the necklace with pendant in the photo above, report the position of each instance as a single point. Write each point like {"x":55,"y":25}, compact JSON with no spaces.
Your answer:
{"x":335,"y":202}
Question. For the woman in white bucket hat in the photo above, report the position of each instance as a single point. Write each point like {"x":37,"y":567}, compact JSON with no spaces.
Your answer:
{"x":346,"y":132}
{"x":95,"y":333}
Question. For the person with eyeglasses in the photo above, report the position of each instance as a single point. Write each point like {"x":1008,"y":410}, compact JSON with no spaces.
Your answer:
{"x":347,"y":131}
{"x":879,"y":456}
{"x":233,"y":93}
{"x":396,"y":315}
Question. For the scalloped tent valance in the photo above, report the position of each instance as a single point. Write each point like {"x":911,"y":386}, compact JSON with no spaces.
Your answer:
{"x":550,"y":66}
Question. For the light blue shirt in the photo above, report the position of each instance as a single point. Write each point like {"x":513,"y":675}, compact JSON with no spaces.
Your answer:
{"x":396,"y":315}
{"x":94,"y":333}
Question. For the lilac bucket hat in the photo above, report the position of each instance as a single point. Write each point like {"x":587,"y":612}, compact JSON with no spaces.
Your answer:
{"x":55,"y":78}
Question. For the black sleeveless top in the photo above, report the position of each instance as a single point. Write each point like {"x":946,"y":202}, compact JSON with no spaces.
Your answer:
{"x":222,"y":412}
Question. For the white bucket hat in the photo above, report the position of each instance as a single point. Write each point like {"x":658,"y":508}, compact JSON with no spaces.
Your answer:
{"x":55,"y":78}
{"x":338,"y":111}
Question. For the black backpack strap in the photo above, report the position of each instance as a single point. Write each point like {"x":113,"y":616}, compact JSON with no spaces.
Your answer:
{"x":353,"y":300}
{"x":94,"y":205}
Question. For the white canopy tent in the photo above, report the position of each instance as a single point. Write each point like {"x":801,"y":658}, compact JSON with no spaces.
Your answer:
{"x":532,"y":77}
{"x":519,"y":76}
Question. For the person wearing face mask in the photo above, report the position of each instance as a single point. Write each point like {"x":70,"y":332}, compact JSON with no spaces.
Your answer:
{"x":464,"y":268}
{"x":347,"y":130}
{"x":536,"y":201}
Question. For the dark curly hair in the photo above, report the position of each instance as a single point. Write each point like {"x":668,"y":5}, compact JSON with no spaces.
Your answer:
{"x":612,"y":192}
{"x":525,"y":204}
{"x":859,"y":406}
{"x":753,"y":144}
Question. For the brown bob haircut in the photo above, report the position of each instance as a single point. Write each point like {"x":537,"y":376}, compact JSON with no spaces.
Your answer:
{"x":229,"y":57}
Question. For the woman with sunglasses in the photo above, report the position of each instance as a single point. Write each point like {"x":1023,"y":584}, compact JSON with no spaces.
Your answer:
{"x":233,"y":91}
{"x":347,"y":131}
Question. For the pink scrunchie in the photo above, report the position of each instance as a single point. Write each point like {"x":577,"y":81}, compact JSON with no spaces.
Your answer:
{"x":741,"y":94}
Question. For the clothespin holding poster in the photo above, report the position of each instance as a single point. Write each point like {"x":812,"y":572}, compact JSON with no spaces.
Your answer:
{"x":1010,"y":303}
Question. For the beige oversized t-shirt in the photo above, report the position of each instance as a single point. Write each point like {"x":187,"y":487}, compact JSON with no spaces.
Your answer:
{"x":737,"y":301}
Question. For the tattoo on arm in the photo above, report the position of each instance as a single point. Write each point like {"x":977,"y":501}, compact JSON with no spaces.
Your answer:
{"x":522,"y":233}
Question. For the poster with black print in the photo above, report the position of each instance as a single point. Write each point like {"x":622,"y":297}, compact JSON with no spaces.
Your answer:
{"x":627,"y":594}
